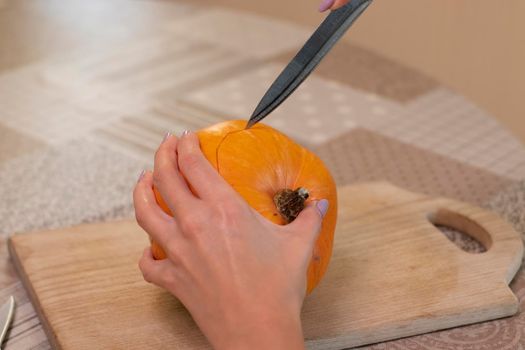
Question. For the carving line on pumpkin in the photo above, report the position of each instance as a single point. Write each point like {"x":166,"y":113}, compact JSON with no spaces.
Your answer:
{"x":219,"y":147}
{"x":288,"y":203}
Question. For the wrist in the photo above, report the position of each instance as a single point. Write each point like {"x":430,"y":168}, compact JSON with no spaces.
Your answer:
{"x":268,"y":331}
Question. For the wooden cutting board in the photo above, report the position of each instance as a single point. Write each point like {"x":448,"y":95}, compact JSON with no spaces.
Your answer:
{"x":393,"y":274}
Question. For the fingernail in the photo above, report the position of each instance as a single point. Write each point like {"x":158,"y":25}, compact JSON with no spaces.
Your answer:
{"x":141,"y":176}
{"x":166,"y":135}
{"x":322,"y":206}
{"x":325,"y":5}
{"x":185,"y":132}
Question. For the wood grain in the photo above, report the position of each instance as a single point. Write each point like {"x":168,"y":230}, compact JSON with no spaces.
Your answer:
{"x":392,"y":275}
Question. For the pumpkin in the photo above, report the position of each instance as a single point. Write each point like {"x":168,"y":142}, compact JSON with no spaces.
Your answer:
{"x":275,"y":175}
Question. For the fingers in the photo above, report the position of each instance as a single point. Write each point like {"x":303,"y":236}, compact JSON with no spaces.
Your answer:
{"x":158,"y":272}
{"x":169,"y":181}
{"x":198,"y":171}
{"x":339,"y":3}
{"x":332,"y":4}
{"x":148,"y":213}
{"x":308,"y":223}
{"x":325,"y":5}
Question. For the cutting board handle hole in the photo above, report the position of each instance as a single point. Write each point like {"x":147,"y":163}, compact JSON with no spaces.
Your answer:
{"x":465,"y":233}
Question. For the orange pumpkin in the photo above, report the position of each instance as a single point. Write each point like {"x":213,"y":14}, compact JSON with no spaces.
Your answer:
{"x":270,"y":171}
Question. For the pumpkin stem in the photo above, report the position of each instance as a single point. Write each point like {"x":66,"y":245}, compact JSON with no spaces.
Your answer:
{"x":290,"y":203}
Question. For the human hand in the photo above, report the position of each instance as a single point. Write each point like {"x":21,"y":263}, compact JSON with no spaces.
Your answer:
{"x":242,"y":278}
{"x":332,"y":4}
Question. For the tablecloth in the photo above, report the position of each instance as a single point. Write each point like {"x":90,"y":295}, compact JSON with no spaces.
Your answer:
{"x":76,"y":129}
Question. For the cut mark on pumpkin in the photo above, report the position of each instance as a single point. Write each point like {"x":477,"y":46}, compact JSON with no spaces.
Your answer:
{"x":289,"y":203}
{"x":250,"y":133}
{"x":219,"y":147}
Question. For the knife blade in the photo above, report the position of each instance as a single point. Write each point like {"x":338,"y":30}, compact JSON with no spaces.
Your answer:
{"x":6,"y":317}
{"x":308,"y":57}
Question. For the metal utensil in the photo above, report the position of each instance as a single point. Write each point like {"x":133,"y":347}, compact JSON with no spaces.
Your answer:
{"x":6,"y":317}
{"x":319,"y":44}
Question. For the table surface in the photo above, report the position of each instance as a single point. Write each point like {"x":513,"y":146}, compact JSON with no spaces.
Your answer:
{"x":86,"y":99}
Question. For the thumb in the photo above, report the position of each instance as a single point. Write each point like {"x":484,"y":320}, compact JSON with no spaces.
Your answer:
{"x":308,"y":222}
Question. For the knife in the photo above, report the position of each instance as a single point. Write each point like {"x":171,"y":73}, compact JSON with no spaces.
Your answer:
{"x":319,"y":44}
{"x":6,"y":317}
